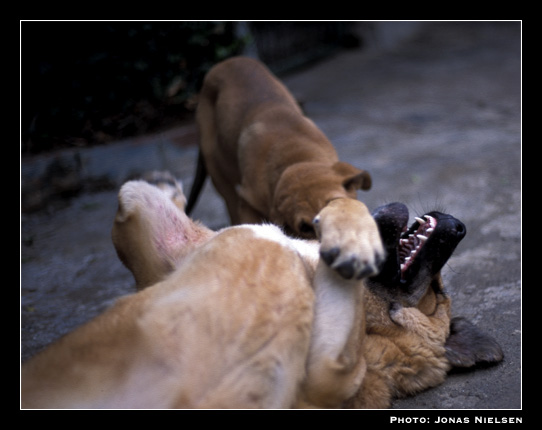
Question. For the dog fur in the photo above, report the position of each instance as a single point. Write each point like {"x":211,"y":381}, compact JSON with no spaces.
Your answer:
{"x":249,"y":318}
{"x":269,"y":162}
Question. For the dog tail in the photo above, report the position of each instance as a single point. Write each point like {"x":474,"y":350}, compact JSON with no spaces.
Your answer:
{"x":197,"y":185}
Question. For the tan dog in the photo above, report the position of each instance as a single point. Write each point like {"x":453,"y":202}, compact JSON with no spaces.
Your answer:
{"x":267,"y":160}
{"x":224,"y":320}
{"x":249,"y":318}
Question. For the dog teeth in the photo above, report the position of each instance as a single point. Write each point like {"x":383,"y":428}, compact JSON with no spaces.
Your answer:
{"x":410,"y":246}
{"x":432,"y":221}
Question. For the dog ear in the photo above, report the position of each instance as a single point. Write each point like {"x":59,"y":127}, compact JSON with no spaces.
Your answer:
{"x":467,"y":346}
{"x":355,"y":179}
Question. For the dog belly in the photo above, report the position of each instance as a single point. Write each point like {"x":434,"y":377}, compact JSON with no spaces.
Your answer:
{"x":230,"y":328}
{"x":247,"y":324}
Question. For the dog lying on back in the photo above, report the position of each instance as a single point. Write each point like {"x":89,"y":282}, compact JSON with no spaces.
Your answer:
{"x":249,"y":318}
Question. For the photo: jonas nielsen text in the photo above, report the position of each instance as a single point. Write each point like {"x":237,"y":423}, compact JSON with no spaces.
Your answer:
{"x":456,"y":420}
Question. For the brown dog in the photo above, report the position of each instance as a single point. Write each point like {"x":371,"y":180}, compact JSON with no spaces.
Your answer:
{"x":247,"y":317}
{"x":267,"y":160}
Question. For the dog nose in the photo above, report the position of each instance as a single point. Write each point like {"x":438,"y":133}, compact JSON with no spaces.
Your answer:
{"x":449,"y":225}
{"x":459,"y":229}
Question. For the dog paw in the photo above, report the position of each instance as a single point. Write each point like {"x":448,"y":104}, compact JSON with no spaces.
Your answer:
{"x":395,"y":309}
{"x":166,"y":182}
{"x":405,"y":317}
{"x":350,"y":242}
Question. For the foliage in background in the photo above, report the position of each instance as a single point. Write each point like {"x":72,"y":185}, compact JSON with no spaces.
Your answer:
{"x":86,"y":83}
{"x":90,"y":82}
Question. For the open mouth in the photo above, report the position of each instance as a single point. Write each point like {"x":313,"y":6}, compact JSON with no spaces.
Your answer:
{"x":417,"y":252}
{"x":412,"y":240}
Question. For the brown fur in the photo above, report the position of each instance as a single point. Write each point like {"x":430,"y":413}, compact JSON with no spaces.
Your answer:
{"x":267,"y":160}
{"x":404,"y":349}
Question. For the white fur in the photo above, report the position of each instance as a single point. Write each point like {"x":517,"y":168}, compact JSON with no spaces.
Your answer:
{"x":306,"y":249}
{"x":334,"y":312}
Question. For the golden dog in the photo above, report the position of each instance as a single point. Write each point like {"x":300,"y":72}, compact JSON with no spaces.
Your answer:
{"x":267,"y":160}
{"x":223,"y":320}
{"x":249,"y":318}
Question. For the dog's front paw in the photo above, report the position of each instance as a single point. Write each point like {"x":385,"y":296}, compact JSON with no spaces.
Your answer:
{"x":401,"y":315}
{"x":349,"y":239}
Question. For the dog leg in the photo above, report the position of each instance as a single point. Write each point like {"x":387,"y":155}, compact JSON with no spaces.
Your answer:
{"x":151,"y":233}
{"x":335,"y":367}
{"x":172,"y":188}
{"x":348,"y":252}
{"x":433,"y":329}
{"x":220,"y":163}
{"x":349,"y":239}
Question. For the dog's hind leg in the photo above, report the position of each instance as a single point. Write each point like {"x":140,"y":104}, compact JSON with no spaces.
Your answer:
{"x":151,"y":233}
{"x":217,"y":153}
{"x":166,"y":182}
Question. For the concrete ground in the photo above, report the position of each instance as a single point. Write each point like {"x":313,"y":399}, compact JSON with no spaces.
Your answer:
{"x":436,"y":120}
